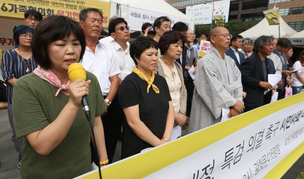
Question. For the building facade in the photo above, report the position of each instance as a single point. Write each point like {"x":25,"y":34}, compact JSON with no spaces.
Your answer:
{"x":292,"y":11}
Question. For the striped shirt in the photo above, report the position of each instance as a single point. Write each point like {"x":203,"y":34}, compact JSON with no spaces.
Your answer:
{"x":13,"y":66}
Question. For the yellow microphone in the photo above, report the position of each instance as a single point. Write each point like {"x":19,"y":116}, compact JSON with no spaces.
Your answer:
{"x":75,"y":72}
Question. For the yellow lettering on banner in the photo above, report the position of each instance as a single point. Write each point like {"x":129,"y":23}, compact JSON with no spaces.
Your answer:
{"x":69,"y":8}
{"x":143,"y":165}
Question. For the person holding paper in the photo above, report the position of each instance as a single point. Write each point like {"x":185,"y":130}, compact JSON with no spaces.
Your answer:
{"x":255,"y":70}
{"x":217,"y":83}
{"x":298,"y":81}
{"x":171,"y":47}
{"x":47,"y":105}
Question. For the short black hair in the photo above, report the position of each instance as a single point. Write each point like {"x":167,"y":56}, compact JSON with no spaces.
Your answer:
{"x":158,"y":22}
{"x":170,"y":37}
{"x":114,"y":22}
{"x":83,"y":13}
{"x":51,"y":29}
{"x":34,"y":13}
{"x":180,"y":26}
{"x":235,"y":37}
{"x":139,"y":45}
{"x":21,"y":29}
{"x":284,"y":42}
{"x":199,"y":34}
{"x":144,"y":26}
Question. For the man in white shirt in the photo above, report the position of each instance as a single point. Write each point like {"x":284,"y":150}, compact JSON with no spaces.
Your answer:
{"x":97,"y":61}
{"x":119,"y":49}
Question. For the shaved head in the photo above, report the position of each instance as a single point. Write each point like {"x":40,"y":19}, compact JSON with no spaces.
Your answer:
{"x":215,"y":31}
{"x":220,"y":39}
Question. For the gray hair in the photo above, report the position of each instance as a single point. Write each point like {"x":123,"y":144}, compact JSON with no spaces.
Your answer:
{"x":247,"y":40}
{"x":83,"y":13}
{"x":259,"y":42}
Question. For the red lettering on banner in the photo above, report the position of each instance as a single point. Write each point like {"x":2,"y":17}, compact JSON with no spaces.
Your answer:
{"x":2,"y":41}
{"x":11,"y":42}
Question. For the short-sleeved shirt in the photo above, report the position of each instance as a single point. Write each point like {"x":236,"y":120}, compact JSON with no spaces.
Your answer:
{"x":153,"y":110}
{"x":101,"y":65}
{"x":13,"y":66}
{"x":122,"y":58}
{"x":296,"y":81}
{"x":35,"y":107}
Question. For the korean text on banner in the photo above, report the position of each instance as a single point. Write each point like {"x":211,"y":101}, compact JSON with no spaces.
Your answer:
{"x":262,"y":143}
{"x":202,"y":13}
{"x":69,"y":8}
{"x":205,"y":47}
{"x":137,"y":17}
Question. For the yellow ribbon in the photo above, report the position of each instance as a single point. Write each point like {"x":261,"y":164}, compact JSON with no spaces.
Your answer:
{"x":150,"y":83}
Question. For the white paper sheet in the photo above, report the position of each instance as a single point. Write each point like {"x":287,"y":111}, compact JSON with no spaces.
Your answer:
{"x":274,"y":97}
{"x":191,"y":72}
{"x":273,"y":79}
{"x":298,"y":69}
{"x":225,"y":113}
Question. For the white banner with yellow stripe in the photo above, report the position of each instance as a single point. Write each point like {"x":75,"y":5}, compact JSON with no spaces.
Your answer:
{"x":262,"y":143}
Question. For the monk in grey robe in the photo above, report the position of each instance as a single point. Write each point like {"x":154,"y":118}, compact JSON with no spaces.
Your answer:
{"x":217,"y":83}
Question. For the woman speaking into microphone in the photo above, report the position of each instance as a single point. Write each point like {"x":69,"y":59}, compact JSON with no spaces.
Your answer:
{"x":47,"y":105}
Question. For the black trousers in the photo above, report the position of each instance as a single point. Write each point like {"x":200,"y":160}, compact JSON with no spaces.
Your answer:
{"x":112,"y":123}
{"x":190,"y":87}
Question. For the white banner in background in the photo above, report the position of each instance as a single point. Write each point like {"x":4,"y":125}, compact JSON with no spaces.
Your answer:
{"x":248,"y":153}
{"x":137,"y":17}
{"x":202,"y":13}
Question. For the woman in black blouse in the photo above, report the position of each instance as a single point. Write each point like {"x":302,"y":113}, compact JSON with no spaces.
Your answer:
{"x":146,"y":101}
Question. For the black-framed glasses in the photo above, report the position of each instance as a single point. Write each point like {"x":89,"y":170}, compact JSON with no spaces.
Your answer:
{"x":122,"y":28}
{"x":225,"y":35}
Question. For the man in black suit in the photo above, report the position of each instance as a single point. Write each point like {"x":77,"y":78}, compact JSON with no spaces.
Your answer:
{"x":233,"y":52}
{"x":255,"y":70}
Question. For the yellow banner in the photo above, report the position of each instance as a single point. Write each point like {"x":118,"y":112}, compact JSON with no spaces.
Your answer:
{"x":273,"y":17}
{"x":273,"y":134}
{"x":219,"y":21}
{"x":69,"y":8}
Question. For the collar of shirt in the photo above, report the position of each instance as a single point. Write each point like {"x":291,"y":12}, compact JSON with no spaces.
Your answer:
{"x":118,"y":47}
{"x":98,"y":45}
{"x":234,"y":50}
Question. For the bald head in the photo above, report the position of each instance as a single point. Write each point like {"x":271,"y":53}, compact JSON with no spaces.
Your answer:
{"x":220,"y":38}
{"x":216,"y":31}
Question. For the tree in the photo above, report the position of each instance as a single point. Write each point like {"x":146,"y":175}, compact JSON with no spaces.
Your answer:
{"x":234,"y":26}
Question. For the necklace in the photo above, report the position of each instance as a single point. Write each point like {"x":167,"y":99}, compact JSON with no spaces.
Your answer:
{"x":26,"y":65}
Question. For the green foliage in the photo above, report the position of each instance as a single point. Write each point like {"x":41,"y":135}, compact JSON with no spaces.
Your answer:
{"x":234,"y":26}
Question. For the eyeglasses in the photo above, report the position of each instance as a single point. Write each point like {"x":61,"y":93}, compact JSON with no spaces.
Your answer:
{"x":32,"y":19}
{"x":225,"y":35}
{"x":122,"y":28}
{"x":191,"y":34}
{"x":30,"y":35}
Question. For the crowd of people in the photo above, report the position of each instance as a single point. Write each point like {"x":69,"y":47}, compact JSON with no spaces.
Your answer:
{"x":142,"y":92}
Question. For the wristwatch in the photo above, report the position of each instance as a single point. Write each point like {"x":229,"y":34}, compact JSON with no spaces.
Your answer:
{"x":108,"y":101}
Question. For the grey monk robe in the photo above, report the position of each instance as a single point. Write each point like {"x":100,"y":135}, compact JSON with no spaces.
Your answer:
{"x":217,"y":85}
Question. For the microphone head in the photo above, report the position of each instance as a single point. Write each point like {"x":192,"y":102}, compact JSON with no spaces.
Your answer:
{"x":76,"y":71}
